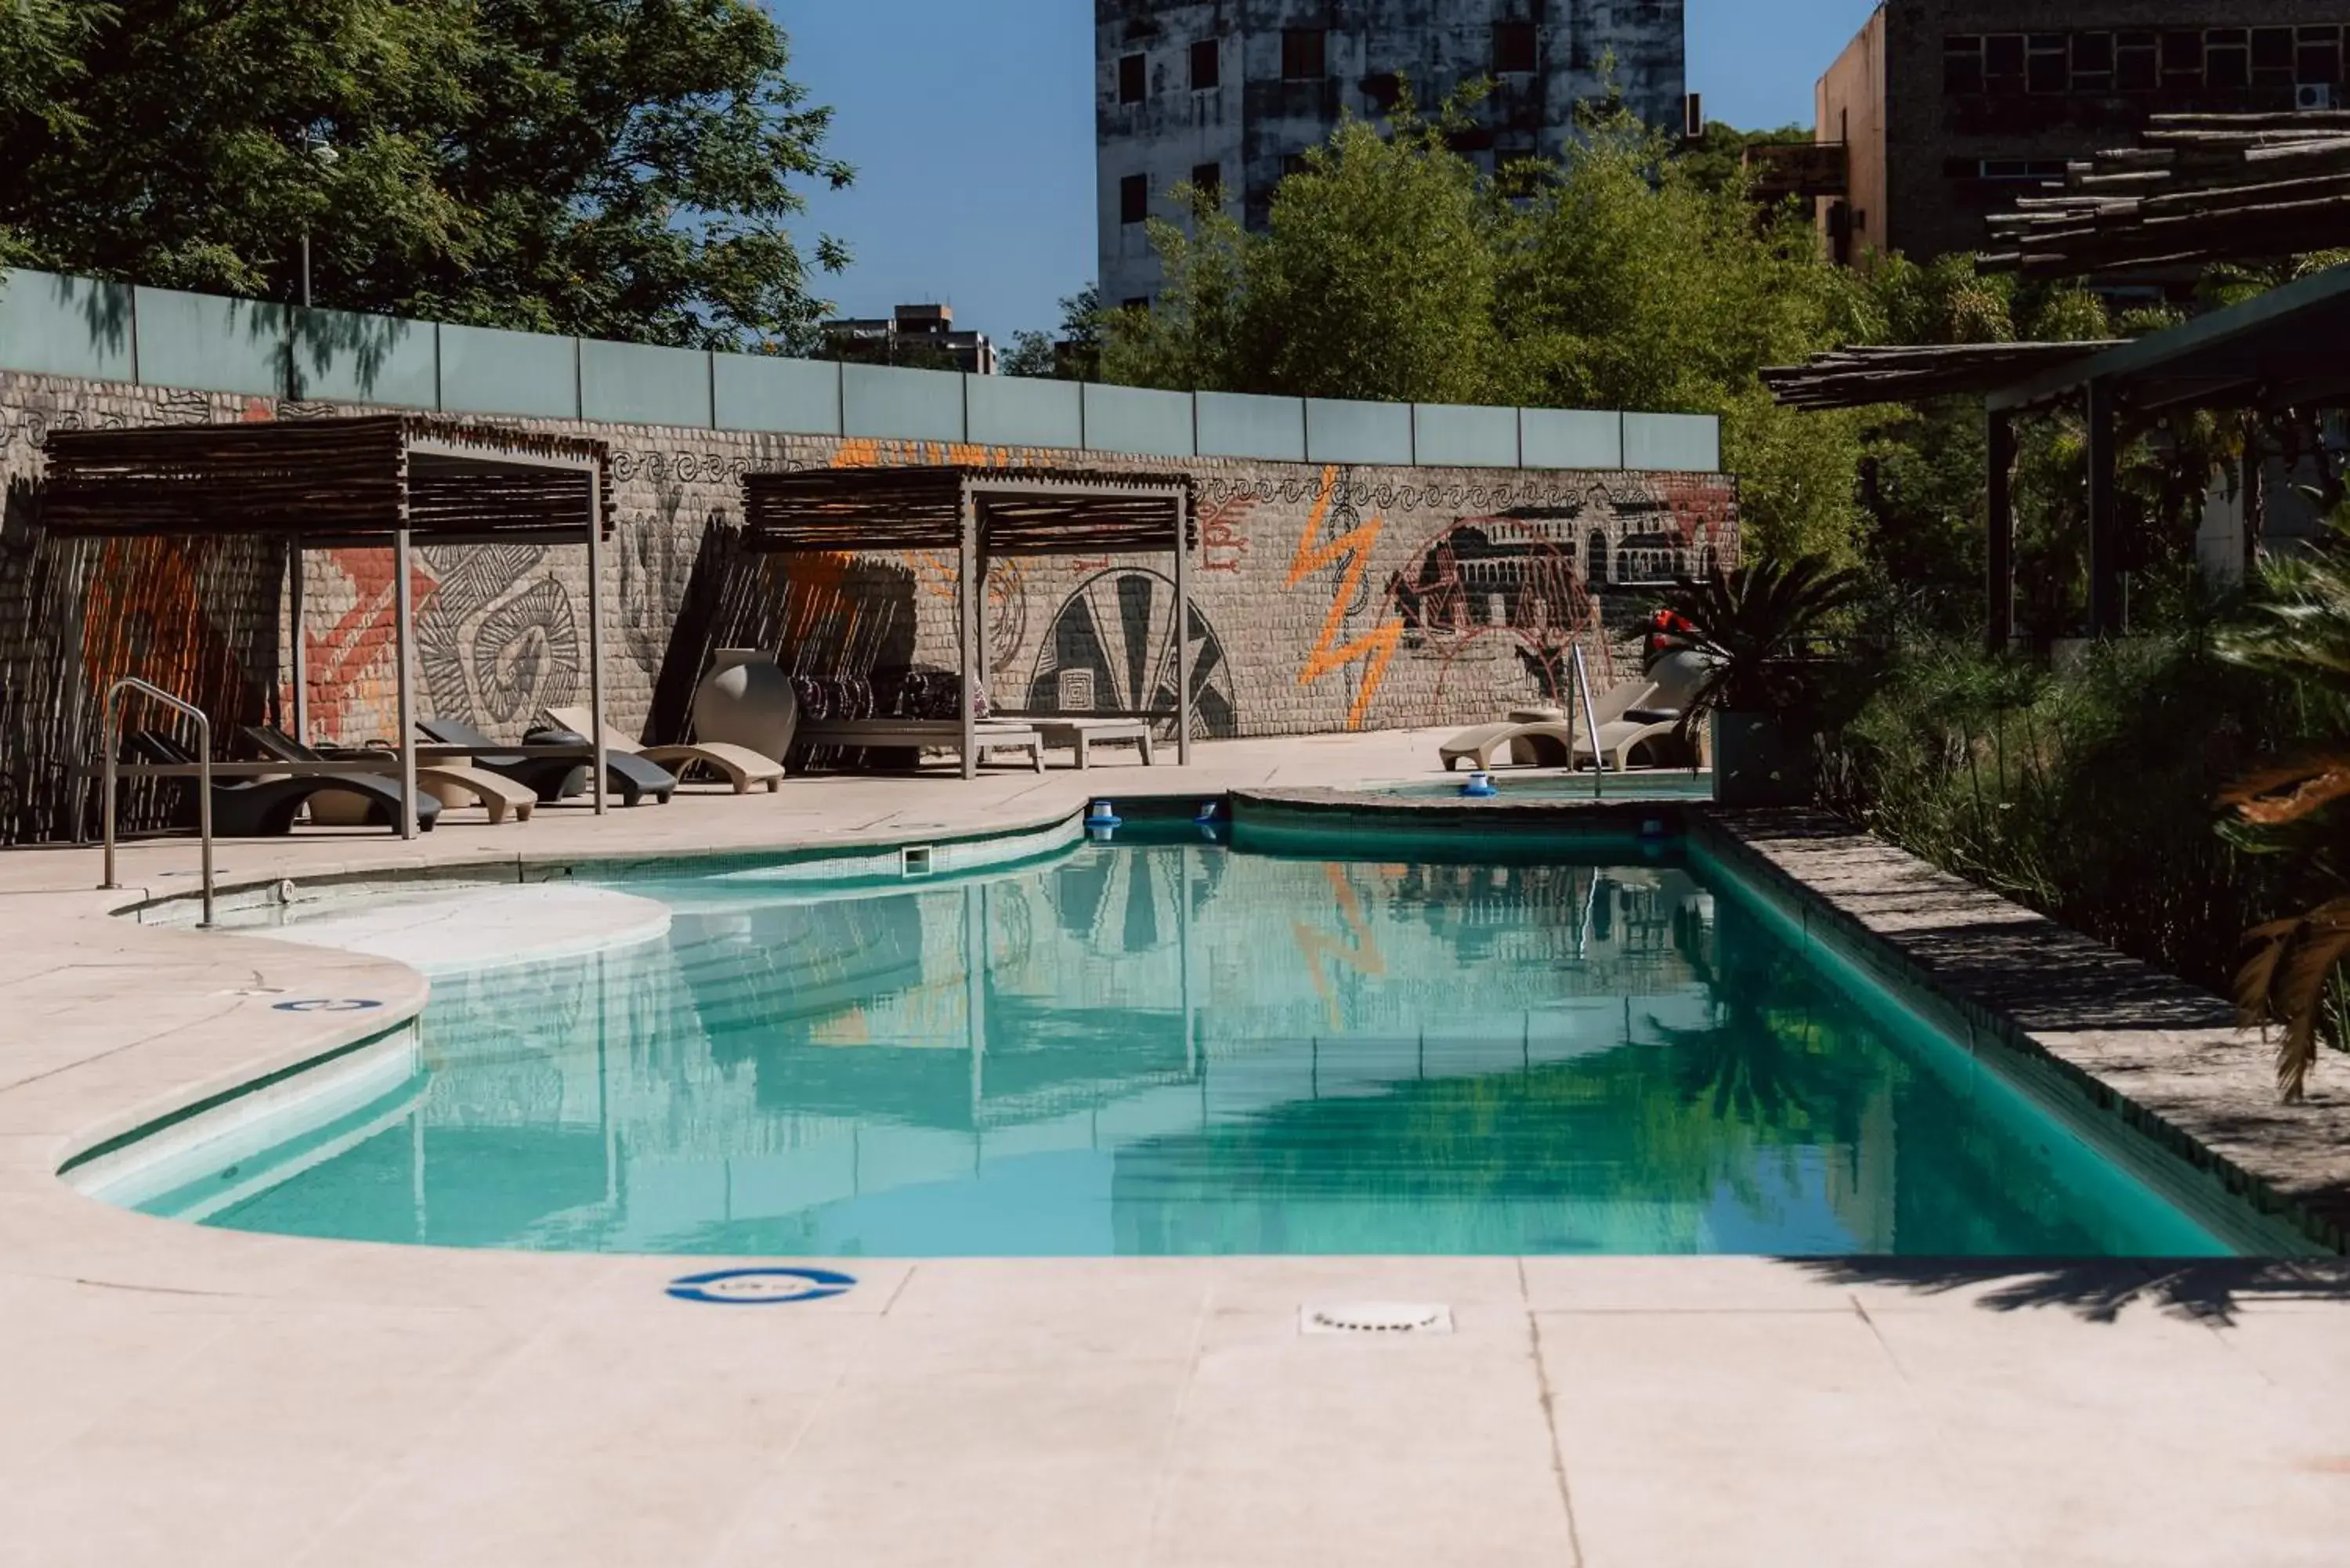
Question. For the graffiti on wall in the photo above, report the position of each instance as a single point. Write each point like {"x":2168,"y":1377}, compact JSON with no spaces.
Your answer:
{"x":1520,"y":578}
{"x":1347,"y":554}
{"x":1111,"y":650}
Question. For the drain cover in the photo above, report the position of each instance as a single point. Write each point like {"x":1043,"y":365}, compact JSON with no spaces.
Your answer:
{"x":1376,"y":1317}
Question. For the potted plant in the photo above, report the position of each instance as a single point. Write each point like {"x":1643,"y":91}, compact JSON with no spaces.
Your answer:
{"x":1756,"y":629}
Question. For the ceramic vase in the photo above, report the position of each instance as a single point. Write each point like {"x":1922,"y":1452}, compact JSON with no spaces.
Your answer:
{"x":747,"y":700}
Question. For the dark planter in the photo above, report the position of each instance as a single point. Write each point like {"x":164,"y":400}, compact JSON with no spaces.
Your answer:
{"x":1758,"y":760}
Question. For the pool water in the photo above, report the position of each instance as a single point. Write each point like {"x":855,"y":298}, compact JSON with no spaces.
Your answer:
{"x":1182,"y":1048}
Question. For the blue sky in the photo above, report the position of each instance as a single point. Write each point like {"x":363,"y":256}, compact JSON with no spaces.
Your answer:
{"x":971,"y":124}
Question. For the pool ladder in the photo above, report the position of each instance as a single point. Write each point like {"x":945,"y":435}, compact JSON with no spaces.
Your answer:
{"x":131,"y":685}
{"x":1581,"y":671}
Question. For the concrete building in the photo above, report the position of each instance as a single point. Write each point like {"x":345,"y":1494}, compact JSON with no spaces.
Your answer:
{"x":1949,"y":109}
{"x":917,"y":336}
{"x":1227,"y":94}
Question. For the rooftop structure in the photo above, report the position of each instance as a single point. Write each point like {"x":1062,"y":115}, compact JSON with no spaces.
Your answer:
{"x":918,"y":337}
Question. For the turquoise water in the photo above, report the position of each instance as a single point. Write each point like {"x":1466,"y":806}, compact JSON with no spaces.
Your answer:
{"x":1181,"y":1048}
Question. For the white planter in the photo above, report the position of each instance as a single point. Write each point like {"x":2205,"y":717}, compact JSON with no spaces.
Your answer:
{"x":747,"y":700}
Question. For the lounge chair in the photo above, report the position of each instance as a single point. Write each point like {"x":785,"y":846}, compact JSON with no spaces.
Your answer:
{"x":1633,"y":714}
{"x":266,"y":807}
{"x":1084,"y":734}
{"x":917,"y":735}
{"x":738,"y":765}
{"x":500,"y":796}
{"x":554,"y":778}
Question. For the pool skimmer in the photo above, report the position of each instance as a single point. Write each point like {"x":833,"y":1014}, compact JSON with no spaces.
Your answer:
{"x":1384,"y":1319}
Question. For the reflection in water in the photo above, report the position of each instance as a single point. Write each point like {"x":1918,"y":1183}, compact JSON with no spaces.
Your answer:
{"x":1183,"y":1049}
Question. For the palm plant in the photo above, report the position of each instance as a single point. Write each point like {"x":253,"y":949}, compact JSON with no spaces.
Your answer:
{"x":2292,"y":970}
{"x":1758,"y":630}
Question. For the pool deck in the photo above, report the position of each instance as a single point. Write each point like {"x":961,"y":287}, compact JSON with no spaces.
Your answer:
{"x":175,"y":1395}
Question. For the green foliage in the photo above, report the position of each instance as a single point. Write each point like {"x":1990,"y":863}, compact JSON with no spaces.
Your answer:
{"x":617,"y":167}
{"x":1758,"y":630}
{"x":2087,"y":793}
{"x":1075,"y":355}
{"x":1392,"y":269}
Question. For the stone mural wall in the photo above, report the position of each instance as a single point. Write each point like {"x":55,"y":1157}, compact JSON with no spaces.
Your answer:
{"x":1325,"y":597}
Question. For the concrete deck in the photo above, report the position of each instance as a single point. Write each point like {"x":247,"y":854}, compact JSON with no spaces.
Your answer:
{"x":174,"y":1395}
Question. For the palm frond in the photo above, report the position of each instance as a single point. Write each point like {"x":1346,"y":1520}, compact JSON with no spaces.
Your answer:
{"x":2279,"y":795}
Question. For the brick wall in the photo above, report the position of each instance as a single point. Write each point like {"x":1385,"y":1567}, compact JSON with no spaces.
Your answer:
{"x":1325,"y":598}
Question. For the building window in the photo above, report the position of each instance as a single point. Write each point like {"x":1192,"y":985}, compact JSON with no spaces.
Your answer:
{"x":2182,"y":61}
{"x":2134,"y":68}
{"x":2048,"y":66}
{"x":1304,"y":54}
{"x":1962,"y":64}
{"x":1383,"y":91}
{"x":1516,"y":51}
{"x":2004,"y":63}
{"x":2272,"y":57}
{"x":1207,"y":179}
{"x":2005,"y":170}
{"x":2092,"y":62}
{"x":2228,"y":59}
{"x":1134,"y":199}
{"x":1133,"y":78}
{"x":1207,"y":64}
{"x":2319,"y":58}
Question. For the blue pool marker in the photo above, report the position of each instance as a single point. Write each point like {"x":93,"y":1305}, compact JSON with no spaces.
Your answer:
{"x":760,"y":1287}
{"x":1480,"y":787}
{"x":1103,"y":819}
{"x":1206,"y":817}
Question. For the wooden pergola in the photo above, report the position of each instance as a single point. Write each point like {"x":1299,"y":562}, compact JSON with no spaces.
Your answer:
{"x":375,"y":482}
{"x":981,"y":513}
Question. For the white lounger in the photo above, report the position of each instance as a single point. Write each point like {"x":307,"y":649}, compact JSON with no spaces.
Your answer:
{"x":739,"y":766}
{"x":925,"y":735}
{"x":1084,"y":734}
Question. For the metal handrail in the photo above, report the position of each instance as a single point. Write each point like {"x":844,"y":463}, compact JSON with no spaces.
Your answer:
{"x":1590,"y":718}
{"x":113,"y":734}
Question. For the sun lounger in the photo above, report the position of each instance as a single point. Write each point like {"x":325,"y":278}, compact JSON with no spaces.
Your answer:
{"x":1558,"y":743}
{"x":923,"y":734}
{"x":1084,"y":734}
{"x":500,"y":796}
{"x":266,"y":807}
{"x":554,"y":777}
{"x":738,"y":765}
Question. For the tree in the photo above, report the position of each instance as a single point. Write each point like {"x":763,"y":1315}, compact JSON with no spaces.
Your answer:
{"x":1392,"y":268}
{"x":1074,"y":356}
{"x":614,"y":168}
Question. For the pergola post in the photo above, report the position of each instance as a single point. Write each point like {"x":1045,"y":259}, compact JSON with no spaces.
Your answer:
{"x":299,"y":654}
{"x":2001,"y":633}
{"x":966,"y":607}
{"x":404,"y":609}
{"x":595,"y":626}
{"x":2105,"y":541}
{"x":1183,"y":630}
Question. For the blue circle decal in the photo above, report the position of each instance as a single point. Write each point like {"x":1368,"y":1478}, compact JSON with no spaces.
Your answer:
{"x":329,"y":1004}
{"x":760,"y":1287}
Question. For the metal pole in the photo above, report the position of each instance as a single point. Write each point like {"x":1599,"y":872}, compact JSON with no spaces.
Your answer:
{"x":596,"y":626}
{"x":968,"y":608}
{"x":1182,"y":631}
{"x":110,"y":736}
{"x":2000,"y":628}
{"x":297,"y":611}
{"x":405,"y":611}
{"x":306,"y":269}
{"x":205,"y":807}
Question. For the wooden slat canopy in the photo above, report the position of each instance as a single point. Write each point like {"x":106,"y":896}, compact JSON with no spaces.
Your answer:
{"x":1862,"y":377}
{"x":336,"y":481}
{"x":2198,"y":189}
{"x":1020,"y":512}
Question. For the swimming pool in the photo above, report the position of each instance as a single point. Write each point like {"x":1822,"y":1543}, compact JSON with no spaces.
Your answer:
{"x":1570,"y":1044}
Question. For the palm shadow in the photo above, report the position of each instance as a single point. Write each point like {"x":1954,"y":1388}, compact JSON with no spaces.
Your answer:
{"x":2211,"y":1291}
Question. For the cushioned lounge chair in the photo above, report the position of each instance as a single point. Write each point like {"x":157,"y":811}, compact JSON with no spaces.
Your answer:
{"x":914,"y":736}
{"x":554,"y":778}
{"x":266,"y":807}
{"x":738,"y":765}
{"x":500,"y":796}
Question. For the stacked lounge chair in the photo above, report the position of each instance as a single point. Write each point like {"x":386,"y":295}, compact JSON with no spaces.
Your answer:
{"x":266,"y":807}
{"x":554,"y":778}
{"x":500,"y":796}
{"x":738,"y":765}
{"x":1632,"y":715}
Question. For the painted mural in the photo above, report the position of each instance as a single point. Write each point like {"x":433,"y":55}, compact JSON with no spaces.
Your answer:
{"x":1325,"y":597}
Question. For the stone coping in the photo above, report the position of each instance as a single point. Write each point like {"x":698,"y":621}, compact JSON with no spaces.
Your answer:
{"x":2165,"y":1056}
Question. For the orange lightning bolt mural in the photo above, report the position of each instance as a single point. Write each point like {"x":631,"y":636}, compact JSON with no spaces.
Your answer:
{"x":1374,"y":647}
